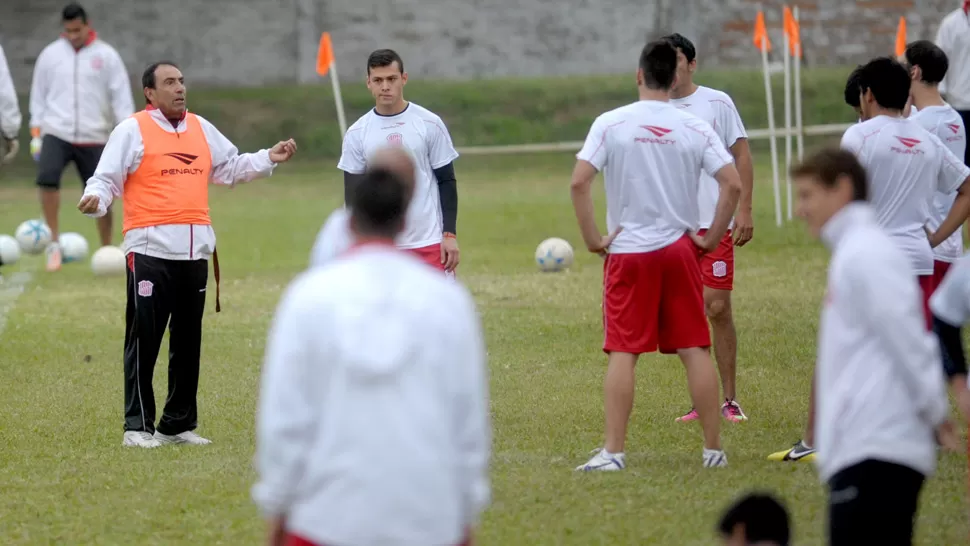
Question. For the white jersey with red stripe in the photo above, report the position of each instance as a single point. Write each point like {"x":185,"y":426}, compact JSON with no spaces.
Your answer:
{"x":906,"y":165}
{"x":426,"y":139}
{"x":944,"y":122}
{"x":652,"y":155}
{"x":716,"y":108}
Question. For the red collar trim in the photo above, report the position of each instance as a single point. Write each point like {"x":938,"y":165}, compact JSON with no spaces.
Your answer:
{"x":92,"y":36}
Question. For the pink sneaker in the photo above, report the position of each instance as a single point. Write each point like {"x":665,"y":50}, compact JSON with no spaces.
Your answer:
{"x":53,"y":257}
{"x":689,"y":416}
{"x":732,"y":411}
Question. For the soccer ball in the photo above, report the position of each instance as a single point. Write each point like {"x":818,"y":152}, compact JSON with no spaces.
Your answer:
{"x":108,"y":260}
{"x":74,"y":247}
{"x":33,"y":236}
{"x":554,"y":254}
{"x":9,"y":250}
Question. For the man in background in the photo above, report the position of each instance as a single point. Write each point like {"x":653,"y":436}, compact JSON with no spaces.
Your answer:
{"x":952,"y":39}
{"x":928,"y":66}
{"x":373,"y":421}
{"x":756,"y":519}
{"x":80,"y":91}
{"x":10,"y":118}
{"x":651,"y":154}
{"x":717,"y":267}
{"x":873,"y":350}
{"x":433,"y":216}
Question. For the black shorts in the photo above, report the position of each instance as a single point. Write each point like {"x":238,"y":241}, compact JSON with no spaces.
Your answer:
{"x":874,"y":502}
{"x":55,"y":154}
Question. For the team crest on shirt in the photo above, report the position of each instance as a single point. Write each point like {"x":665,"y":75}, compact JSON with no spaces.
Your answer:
{"x":719,"y":269}
{"x":395,"y":139}
{"x":145,"y":288}
{"x":97,"y":63}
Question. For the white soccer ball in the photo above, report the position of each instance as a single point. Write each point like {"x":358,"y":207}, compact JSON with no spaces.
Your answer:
{"x":108,"y":260}
{"x":74,"y":247}
{"x":9,"y":250}
{"x":554,"y":254}
{"x":33,"y":236}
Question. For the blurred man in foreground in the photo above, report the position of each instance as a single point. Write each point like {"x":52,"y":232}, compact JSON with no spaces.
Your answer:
{"x":757,"y":519}
{"x":373,"y":424}
{"x":873,"y":350}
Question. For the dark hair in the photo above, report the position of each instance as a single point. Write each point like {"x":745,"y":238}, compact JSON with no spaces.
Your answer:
{"x":658,"y":61}
{"x":384,"y":57}
{"x":929,"y":58}
{"x":148,"y":76}
{"x":379,"y":203}
{"x":74,"y":11}
{"x":852,"y":88}
{"x":681,"y":42}
{"x":764,"y":519}
{"x":828,"y":164}
{"x":888,"y":80}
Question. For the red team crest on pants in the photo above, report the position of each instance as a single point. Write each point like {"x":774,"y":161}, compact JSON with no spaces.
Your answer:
{"x":395,"y":139}
{"x":145,"y":288}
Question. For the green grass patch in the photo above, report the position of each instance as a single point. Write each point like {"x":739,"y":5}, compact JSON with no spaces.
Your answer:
{"x":66,"y":479}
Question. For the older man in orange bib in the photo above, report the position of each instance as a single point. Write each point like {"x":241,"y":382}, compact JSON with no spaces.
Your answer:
{"x":161,"y":161}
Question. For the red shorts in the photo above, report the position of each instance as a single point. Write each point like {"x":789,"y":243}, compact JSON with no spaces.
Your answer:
{"x":939,"y":271}
{"x":293,"y":540}
{"x":717,"y":266}
{"x":654,"y":300}
{"x":430,"y":255}
{"x":926,"y":286}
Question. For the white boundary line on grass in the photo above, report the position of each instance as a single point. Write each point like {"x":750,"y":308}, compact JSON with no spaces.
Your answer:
{"x":574,"y":146}
{"x":10,"y":290}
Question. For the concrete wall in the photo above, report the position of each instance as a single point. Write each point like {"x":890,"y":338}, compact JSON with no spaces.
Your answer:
{"x":253,"y":42}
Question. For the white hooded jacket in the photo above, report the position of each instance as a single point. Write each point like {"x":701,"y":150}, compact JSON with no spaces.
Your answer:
{"x":79,"y":95}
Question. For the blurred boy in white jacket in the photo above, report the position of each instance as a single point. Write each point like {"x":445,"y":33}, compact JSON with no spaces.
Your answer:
{"x":874,"y":350}
{"x":373,"y":424}
{"x":79,"y":92}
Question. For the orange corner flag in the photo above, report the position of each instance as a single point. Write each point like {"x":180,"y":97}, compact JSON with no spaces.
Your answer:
{"x":761,"y":40}
{"x":324,"y":54}
{"x":793,"y":33}
{"x":901,"y":38}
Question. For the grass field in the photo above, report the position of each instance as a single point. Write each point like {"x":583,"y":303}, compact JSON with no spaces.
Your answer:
{"x":65,"y":479}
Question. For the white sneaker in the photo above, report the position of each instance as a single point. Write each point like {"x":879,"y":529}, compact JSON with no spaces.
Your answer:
{"x":714,"y":458}
{"x":187,"y":437}
{"x":603,"y":461}
{"x":136,"y":438}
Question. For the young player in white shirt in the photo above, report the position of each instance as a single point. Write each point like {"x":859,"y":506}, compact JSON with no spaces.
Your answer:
{"x":906,"y":165}
{"x":873,"y":351}
{"x":951,"y":36}
{"x":373,"y":422}
{"x":928,"y":65}
{"x":432,"y":218}
{"x":717,"y":267}
{"x":651,"y":155}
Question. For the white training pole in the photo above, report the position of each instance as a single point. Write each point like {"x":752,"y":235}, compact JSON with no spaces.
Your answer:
{"x":799,"y":131}
{"x":337,"y":99}
{"x":788,"y":127}
{"x":772,"y":134}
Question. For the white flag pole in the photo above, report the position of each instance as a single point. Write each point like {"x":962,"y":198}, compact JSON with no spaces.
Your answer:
{"x":788,"y":126}
{"x":799,"y":131}
{"x":338,"y":100}
{"x":772,"y":135}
